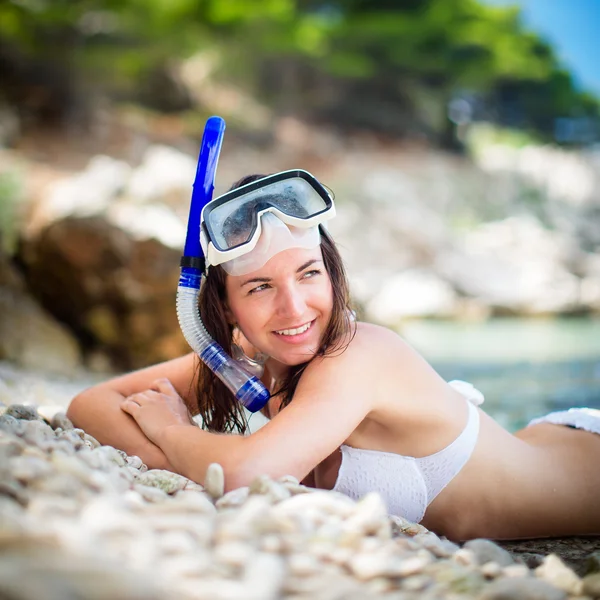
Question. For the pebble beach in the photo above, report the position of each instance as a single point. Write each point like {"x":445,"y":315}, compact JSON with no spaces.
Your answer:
{"x":83,"y":520}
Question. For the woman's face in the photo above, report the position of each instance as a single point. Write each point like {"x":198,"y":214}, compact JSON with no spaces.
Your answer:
{"x":284,"y":307}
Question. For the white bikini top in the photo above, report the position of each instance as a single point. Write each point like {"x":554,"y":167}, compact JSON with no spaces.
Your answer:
{"x":407,"y":484}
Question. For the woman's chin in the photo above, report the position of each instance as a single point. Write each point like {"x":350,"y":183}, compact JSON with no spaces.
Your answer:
{"x":293,"y":359}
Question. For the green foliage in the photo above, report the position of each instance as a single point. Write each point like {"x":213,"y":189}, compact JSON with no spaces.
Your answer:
{"x":10,"y":192}
{"x":357,"y":62}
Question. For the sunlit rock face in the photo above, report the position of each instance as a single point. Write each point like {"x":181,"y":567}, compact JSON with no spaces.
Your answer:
{"x":423,"y":235}
{"x":116,"y":292}
{"x":29,"y":336}
{"x":106,"y":264}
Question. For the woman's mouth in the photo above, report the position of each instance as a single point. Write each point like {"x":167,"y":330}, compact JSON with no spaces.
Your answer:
{"x":294,"y":332}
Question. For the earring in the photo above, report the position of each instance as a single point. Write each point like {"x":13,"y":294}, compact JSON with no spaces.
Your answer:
{"x":255,"y":366}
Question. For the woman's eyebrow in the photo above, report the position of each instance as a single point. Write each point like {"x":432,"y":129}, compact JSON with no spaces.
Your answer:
{"x":256,"y":280}
{"x":268,"y":279}
{"x":307,"y":264}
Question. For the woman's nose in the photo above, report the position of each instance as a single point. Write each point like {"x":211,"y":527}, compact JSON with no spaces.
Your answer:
{"x":291,"y":302}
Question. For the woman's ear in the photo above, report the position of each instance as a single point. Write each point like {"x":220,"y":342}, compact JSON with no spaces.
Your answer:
{"x":229,"y":315}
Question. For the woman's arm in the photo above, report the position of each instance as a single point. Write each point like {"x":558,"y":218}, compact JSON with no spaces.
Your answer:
{"x":97,"y":410}
{"x":331,"y":400}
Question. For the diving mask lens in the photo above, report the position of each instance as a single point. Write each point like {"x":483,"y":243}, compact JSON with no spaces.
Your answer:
{"x":231,"y":222}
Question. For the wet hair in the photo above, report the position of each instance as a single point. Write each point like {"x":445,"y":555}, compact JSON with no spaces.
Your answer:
{"x":220,"y":411}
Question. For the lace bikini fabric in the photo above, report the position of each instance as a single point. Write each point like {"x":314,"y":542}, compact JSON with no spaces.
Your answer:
{"x":408,"y":484}
{"x":580,"y":418}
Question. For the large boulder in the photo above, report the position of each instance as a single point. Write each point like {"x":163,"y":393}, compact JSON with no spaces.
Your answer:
{"x":106,"y":263}
{"x":116,"y":292}
{"x":29,"y":336}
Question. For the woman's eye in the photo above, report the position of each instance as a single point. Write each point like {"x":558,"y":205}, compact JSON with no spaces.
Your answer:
{"x":258,"y":288}
{"x":311,"y":273}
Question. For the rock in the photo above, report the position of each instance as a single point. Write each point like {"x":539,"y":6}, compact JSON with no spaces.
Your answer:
{"x":412,"y":293}
{"x":487,"y":551}
{"x":576,"y":552}
{"x":164,"y":172}
{"x":150,"y":493}
{"x":521,"y":589}
{"x":214,"y":481}
{"x":27,"y":331}
{"x":591,"y":585}
{"x":592,"y":563}
{"x":554,"y":571}
{"x":20,"y":411}
{"x":167,"y":481}
{"x":514,"y":265}
{"x":115,"y":288}
{"x":234,"y":498}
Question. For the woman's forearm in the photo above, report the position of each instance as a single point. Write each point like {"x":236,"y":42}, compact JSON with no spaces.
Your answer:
{"x":98,"y":412}
{"x":191,"y":450}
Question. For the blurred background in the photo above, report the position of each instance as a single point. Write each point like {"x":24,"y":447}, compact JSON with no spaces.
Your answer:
{"x":461,"y":139}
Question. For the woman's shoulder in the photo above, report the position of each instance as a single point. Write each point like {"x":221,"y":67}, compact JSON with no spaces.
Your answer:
{"x":368,"y":345}
{"x":376,"y":339}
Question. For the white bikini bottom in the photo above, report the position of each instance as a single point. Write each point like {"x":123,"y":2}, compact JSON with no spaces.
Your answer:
{"x":580,"y":418}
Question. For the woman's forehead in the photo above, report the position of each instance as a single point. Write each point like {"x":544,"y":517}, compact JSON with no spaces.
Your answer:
{"x":286,"y":261}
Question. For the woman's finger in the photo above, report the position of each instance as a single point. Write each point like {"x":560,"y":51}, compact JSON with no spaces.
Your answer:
{"x":130,"y":406}
{"x":165,"y":386}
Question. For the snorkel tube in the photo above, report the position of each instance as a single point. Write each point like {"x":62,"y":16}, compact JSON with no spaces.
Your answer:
{"x":247,"y":388}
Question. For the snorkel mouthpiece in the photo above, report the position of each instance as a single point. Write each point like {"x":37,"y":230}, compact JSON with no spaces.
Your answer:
{"x":247,"y":388}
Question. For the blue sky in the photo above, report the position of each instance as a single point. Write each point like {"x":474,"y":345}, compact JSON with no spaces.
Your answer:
{"x":573,"y":29}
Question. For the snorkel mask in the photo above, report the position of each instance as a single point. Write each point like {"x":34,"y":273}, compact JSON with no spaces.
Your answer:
{"x":241,"y":230}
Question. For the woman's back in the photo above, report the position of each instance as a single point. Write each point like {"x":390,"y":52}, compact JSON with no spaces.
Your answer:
{"x":507,"y":488}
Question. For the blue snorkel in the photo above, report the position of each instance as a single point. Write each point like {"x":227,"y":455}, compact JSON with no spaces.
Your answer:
{"x":247,"y":388}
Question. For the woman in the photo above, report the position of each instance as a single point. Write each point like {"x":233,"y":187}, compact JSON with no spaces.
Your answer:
{"x":351,"y":403}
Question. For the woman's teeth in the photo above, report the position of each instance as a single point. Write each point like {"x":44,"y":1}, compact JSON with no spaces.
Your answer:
{"x":296,"y":331}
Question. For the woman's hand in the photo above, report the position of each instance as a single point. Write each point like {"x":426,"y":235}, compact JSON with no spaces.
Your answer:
{"x":157,"y":408}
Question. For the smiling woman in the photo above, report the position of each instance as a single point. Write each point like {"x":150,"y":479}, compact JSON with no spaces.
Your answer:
{"x":353,"y":408}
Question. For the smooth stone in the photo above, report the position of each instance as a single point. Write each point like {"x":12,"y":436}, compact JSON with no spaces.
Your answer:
{"x":264,"y":576}
{"x":214,"y":481}
{"x":167,"y":481}
{"x":91,"y":441}
{"x":28,"y":468}
{"x":192,"y":486}
{"x":47,"y":412}
{"x":521,"y":589}
{"x":516,"y":570}
{"x":592,"y":563}
{"x":591,"y":585}
{"x":234,"y":498}
{"x":289,"y":479}
{"x":72,"y":437}
{"x":11,"y":425}
{"x":111,"y":454}
{"x":176,"y":543}
{"x":150,"y":494}
{"x":487,"y":551}
{"x":22,"y":411}
{"x":491,"y":570}
{"x":13,"y":489}
{"x":465,"y":557}
{"x":134,"y":461}
{"x":38,"y":432}
{"x":554,"y":571}
{"x":10,"y":446}
{"x":61,"y":484}
{"x":303,"y":565}
{"x":234,"y":553}
{"x":61,"y":420}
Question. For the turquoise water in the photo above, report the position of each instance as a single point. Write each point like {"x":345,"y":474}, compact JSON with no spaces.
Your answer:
{"x":524,"y":367}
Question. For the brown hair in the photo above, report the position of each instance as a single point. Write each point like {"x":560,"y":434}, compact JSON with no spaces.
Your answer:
{"x":220,"y":411}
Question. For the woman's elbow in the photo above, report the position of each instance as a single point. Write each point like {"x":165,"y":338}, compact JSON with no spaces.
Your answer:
{"x":77,"y":408}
